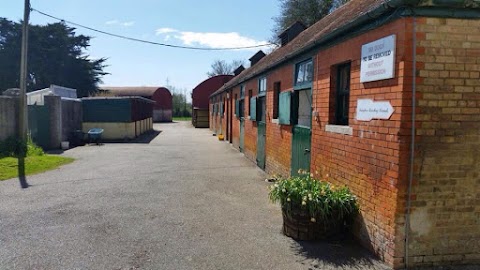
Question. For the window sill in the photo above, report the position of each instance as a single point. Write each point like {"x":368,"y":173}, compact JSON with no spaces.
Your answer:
{"x":275,"y":121}
{"x":346,"y":130}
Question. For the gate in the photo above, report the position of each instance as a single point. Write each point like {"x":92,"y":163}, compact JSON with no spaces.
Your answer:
{"x":39,"y":125}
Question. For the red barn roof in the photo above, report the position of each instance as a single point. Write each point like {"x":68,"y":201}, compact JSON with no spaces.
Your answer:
{"x":160,"y":95}
{"x":202,"y":92}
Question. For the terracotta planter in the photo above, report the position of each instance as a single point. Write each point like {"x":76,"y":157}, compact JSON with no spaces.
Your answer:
{"x":298,"y":225}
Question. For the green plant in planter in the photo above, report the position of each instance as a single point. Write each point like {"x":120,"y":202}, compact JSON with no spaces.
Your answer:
{"x":313,"y":209}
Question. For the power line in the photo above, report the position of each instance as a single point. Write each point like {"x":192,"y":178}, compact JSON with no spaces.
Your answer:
{"x":148,"y":41}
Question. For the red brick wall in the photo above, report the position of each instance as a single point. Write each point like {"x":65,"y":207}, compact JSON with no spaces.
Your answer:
{"x":278,"y":142}
{"x":250,"y":147}
{"x":236,"y":120}
{"x":279,"y":137}
{"x":445,"y":214}
{"x":217,"y":121}
{"x":368,"y":161}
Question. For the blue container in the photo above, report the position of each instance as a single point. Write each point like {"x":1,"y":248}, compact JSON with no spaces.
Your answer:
{"x":95,"y":134}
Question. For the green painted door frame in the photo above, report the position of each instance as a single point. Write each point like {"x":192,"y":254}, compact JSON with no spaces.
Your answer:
{"x":242,"y":134}
{"x":301,"y":131}
{"x":242,"y":124}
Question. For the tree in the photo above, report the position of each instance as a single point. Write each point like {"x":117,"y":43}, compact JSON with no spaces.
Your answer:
{"x":56,"y":56}
{"x":221,"y":67}
{"x":181,"y":108}
{"x":306,"y":11}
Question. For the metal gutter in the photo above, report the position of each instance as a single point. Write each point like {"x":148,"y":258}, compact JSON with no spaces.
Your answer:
{"x":444,"y":12}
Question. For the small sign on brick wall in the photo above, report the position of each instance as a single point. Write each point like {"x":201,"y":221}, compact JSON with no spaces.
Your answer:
{"x":367,"y":110}
{"x":378,"y":60}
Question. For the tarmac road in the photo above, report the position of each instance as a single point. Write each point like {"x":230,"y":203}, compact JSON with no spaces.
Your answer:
{"x":182,"y":201}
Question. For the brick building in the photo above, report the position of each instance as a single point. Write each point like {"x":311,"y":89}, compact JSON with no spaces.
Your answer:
{"x":384,"y":97}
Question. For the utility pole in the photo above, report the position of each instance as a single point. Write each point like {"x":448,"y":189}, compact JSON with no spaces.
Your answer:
{"x":22,"y":125}
{"x":22,"y":108}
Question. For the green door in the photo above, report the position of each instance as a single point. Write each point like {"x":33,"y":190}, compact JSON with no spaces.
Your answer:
{"x":242,"y":125}
{"x":301,"y":149}
{"x":261,"y":132}
{"x":242,"y":134}
{"x":302,"y":135}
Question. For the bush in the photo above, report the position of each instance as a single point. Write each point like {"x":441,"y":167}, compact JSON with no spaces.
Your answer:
{"x":13,"y":147}
{"x":322,"y":200}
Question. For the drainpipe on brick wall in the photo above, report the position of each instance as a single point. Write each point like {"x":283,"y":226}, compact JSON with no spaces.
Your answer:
{"x":412,"y":143}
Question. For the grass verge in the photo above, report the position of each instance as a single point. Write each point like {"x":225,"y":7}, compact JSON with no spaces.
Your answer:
{"x":182,"y":118}
{"x":33,"y":165}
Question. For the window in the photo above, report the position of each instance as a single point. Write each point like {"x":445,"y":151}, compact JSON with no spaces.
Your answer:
{"x":262,"y":86}
{"x":304,"y":108}
{"x":261,"y":107}
{"x":276,"y":95}
{"x":342,"y":93}
{"x":242,"y":91}
{"x":304,"y":72}
{"x":239,"y":107}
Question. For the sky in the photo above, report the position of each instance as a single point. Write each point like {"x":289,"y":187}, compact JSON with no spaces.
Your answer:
{"x":207,"y":23}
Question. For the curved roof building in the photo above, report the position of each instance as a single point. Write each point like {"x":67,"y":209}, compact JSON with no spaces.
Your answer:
{"x":162,"y":110}
{"x":200,"y":99}
{"x":201,"y":93}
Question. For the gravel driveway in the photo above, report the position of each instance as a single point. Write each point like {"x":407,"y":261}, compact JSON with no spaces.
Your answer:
{"x":182,"y":201}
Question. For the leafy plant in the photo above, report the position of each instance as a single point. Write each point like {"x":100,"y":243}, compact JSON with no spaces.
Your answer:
{"x":322,"y":200}
{"x":13,"y":147}
{"x":33,"y":149}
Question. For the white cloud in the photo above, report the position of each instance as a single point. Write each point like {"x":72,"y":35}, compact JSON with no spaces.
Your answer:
{"x":218,"y":40}
{"x":128,"y":24}
{"x":112,"y":22}
{"x":211,"y":39}
{"x":165,"y":30}
{"x":117,"y":22}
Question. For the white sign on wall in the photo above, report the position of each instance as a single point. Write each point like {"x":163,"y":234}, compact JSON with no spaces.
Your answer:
{"x":367,"y":110}
{"x":378,"y":60}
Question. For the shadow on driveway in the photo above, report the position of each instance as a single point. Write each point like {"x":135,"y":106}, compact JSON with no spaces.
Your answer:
{"x":336,"y":254}
{"x":145,"y":138}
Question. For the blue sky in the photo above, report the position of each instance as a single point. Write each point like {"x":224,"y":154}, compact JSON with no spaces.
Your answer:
{"x":210,"y":23}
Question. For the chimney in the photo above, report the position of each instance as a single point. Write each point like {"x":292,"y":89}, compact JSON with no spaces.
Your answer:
{"x":291,"y":32}
{"x":238,"y":70}
{"x":254,"y":59}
